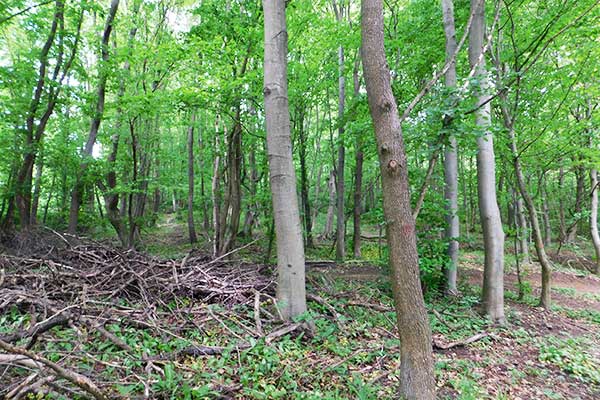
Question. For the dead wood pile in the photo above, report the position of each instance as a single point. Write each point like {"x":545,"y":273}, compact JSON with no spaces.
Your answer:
{"x":87,"y":287}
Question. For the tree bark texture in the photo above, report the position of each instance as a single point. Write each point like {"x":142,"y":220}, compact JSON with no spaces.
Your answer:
{"x":417,"y":379}
{"x":291,"y":291}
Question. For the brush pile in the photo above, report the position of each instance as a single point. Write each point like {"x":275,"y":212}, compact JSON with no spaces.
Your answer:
{"x":98,"y":293}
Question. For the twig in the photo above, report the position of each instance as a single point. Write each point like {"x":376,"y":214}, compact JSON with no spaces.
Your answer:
{"x":75,"y":378}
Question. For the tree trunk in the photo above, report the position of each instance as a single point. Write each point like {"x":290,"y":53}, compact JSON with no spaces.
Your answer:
{"x":340,"y":244}
{"x":96,"y":119}
{"x":299,"y":123}
{"x":522,"y":231}
{"x":331,"y":207}
{"x":546,"y":215}
{"x":417,"y":380}
{"x":594,"y":216}
{"x":358,"y":172}
{"x":493,"y":235}
{"x":533,"y":218}
{"x":451,"y":158}
{"x":37,"y":187}
{"x":216,"y":195}
{"x":572,"y":228}
{"x":561,"y":206}
{"x":190,"y":205}
{"x":291,"y":291}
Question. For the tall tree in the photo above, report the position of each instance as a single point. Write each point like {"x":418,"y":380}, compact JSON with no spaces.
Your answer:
{"x":493,"y":234}
{"x":417,"y":380}
{"x":451,"y":154}
{"x":340,"y":9}
{"x":77,"y":192}
{"x":291,"y":291}
{"x":190,"y":205}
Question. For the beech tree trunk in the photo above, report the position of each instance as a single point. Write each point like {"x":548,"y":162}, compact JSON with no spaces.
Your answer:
{"x":594,"y":216}
{"x":522,"y":231}
{"x":190,"y":205}
{"x":340,"y":243}
{"x":493,"y":234}
{"x":451,"y":158}
{"x":331,"y":207}
{"x":291,"y":291}
{"x":417,"y":380}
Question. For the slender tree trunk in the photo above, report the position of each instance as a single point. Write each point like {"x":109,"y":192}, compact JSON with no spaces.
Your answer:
{"x":522,"y":231}
{"x":451,"y":158}
{"x":594,"y":216}
{"x":304,"y":180}
{"x":579,"y":198}
{"x":77,"y":192}
{"x":291,"y":291}
{"x":190,"y":205}
{"x":340,"y":247}
{"x":533,"y":218}
{"x":37,"y":188}
{"x":493,"y":235}
{"x":417,"y":380}
{"x":331,"y":207}
{"x":216,"y":196}
{"x":317,"y":160}
{"x":546,"y":215}
{"x":561,"y":206}
{"x":358,"y":172}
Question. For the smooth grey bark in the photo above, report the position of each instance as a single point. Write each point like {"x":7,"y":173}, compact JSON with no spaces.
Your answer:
{"x":493,"y":234}
{"x":417,"y":380}
{"x":451,"y":157}
{"x":331,"y":207}
{"x":594,"y":216}
{"x":291,"y":290}
{"x":190,"y":206}
{"x":340,"y":246}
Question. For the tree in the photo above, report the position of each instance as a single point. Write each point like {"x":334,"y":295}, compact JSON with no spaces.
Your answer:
{"x":493,"y":234}
{"x":451,"y":156}
{"x":190,"y":206}
{"x":96,"y":118}
{"x":291,"y":294}
{"x":417,"y":379}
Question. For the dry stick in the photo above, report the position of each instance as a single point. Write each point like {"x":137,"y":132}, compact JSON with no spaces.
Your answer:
{"x":75,"y":378}
{"x":329,"y":307}
{"x":18,"y":390}
{"x":461,"y":343}
{"x":223,"y":256}
{"x":375,"y":307}
{"x":441,"y":319}
{"x":257,"y":313}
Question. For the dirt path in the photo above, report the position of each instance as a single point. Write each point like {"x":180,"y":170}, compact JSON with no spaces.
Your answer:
{"x":586,"y":288}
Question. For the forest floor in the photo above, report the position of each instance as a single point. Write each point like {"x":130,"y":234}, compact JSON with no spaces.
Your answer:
{"x":186,"y":326}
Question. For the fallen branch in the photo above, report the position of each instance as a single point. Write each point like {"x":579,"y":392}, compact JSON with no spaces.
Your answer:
{"x":75,"y":378}
{"x":460,"y":343}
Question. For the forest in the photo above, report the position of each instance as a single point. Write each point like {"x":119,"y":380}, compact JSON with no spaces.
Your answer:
{"x":299,"y":199}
